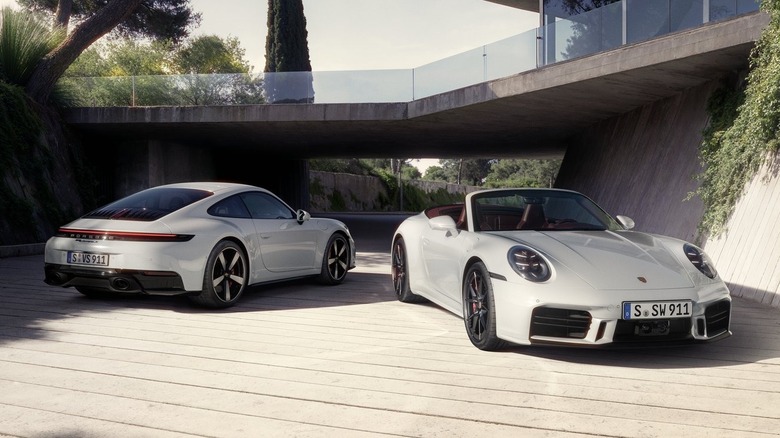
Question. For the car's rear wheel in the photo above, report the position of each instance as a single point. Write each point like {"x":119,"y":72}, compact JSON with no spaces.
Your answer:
{"x":479,"y":308}
{"x":400,"y":274}
{"x":335,"y":261}
{"x":225,"y":277}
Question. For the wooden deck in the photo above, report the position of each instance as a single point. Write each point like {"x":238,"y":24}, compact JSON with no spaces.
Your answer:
{"x":305,"y":360}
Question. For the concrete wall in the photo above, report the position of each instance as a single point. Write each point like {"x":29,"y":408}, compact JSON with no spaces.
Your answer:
{"x":355,"y":192}
{"x":364,"y":193}
{"x":642,"y":164}
{"x":747,"y":255}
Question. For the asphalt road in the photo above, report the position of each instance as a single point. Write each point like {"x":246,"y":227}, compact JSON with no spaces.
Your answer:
{"x":299,"y":359}
{"x":372,"y":232}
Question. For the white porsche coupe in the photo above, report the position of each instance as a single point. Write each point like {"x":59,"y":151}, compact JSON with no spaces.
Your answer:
{"x":548,"y":266}
{"x":207,"y":240}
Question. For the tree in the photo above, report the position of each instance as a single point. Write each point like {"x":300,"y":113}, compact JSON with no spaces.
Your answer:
{"x":211,"y":54}
{"x":156,"y":19}
{"x":523,"y":173}
{"x":211,"y":71}
{"x":462,"y":171}
{"x":287,"y":54}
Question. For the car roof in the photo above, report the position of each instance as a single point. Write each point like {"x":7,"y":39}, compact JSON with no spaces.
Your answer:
{"x":212,"y":186}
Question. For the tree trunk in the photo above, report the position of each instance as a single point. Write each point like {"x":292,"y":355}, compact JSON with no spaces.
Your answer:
{"x":62,"y":16}
{"x":52,"y":66}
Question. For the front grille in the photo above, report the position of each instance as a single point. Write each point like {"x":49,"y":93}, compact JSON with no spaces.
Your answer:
{"x":718,"y":316}
{"x":645,"y":330}
{"x":560,"y":323}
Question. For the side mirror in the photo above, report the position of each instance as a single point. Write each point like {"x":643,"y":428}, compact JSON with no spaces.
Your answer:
{"x":302,"y":216}
{"x":626,"y":221}
{"x":444,"y":223}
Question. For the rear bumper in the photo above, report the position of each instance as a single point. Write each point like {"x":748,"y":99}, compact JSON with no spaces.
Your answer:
{"x":115,"y":280}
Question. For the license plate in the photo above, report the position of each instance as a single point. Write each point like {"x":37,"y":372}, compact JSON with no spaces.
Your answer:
{"x":657,"y":309}
{"x":87,"y":258}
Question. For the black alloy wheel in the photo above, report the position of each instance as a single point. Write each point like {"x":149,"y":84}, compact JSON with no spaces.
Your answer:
{"x":226,"y":276}
{"x":335,"y":261}
{"x":400,"y":274}
{"x":479,"y":313}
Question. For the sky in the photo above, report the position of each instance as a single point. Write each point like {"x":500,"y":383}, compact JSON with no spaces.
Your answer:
{"x":346,"y":35}
{"x":368,"y":34}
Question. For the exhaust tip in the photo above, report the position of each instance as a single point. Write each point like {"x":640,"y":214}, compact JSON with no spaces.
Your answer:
{"x":55,"y":278}
{"x":120,"y":283}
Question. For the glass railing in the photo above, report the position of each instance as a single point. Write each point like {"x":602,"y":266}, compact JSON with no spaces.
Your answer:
{"x":601,"y":29}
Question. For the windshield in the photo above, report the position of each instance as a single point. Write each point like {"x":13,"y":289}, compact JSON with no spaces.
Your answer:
{"x":538,"y":209}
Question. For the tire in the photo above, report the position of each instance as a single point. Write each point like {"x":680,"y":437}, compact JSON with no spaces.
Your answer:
{"x":335,"y":260}
{"x":479,"y":311}
{"x":225,"y":278}
{"x":400,"y":274}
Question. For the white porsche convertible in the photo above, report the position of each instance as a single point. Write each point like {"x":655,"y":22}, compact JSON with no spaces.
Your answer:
{"x":547,"y":266}
{"x":206,"y":240}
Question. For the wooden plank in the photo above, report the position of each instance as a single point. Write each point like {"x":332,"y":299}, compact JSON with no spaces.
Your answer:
{"x":299,"y":359}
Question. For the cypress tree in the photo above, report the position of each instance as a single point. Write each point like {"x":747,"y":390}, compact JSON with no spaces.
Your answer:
{"x":287,"y":65}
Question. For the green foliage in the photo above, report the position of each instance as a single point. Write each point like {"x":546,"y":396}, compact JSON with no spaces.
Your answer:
{"x":463,"y":171}
{"x":743,"y":130}
{"x":24,"y":156}
{"x":437,"y":173}
{"x":288,"y":76}
{"x":133,"y":73}
{"x":153,"y":19}
{"x":24,"y":41}
{"x":211,"y":54}
{"x":20,"y":128}
{"x":352,"y":166}
{"x":286,"y":44}
{"x":522,"y":173}
{"x":337,"y":201}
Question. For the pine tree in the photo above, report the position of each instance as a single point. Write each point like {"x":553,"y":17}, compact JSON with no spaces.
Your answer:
{"x":288,"y":68}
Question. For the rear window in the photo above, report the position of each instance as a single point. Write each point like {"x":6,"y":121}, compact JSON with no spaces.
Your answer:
{"x":150,"y":204}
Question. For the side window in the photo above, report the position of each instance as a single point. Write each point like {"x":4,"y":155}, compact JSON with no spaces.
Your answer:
{"x":264,"y":206}
{"x":230,"y":207}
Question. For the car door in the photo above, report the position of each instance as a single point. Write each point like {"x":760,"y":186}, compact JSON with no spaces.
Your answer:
{"x":441,"y":247}
{"x":285,"y":244}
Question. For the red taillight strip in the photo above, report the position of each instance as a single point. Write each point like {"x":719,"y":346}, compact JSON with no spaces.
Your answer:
{"x":122,"y":235}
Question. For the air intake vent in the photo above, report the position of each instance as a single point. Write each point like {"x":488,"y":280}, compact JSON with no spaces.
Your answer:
{"x":131,"y":214}
{"x":560,"y":323}
{"x":718,"y":316}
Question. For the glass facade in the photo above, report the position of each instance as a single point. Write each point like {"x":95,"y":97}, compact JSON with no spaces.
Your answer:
{"x":573,"y":28}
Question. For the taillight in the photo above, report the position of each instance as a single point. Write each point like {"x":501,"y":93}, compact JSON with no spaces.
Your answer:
{"x":131,"y":236}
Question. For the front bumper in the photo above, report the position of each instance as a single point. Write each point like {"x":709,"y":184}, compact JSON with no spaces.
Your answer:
{"x":540,"y":315}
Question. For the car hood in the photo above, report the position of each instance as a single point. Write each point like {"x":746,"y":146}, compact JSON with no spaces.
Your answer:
{"x":612,"y":260}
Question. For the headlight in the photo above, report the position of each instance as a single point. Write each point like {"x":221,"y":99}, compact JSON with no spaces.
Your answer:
{"x":700,"y":260}
{"x":528,"y":263}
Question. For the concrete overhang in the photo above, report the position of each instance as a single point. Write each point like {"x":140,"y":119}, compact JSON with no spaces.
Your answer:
{"x":526,"y":5}
{"x":531,"y":114}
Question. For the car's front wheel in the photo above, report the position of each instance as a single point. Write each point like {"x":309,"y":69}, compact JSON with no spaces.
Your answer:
{"x":479,"y":308}
{"x":225,"y":277}
{"x":335,"y":261}
{"x":400,"y":274}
